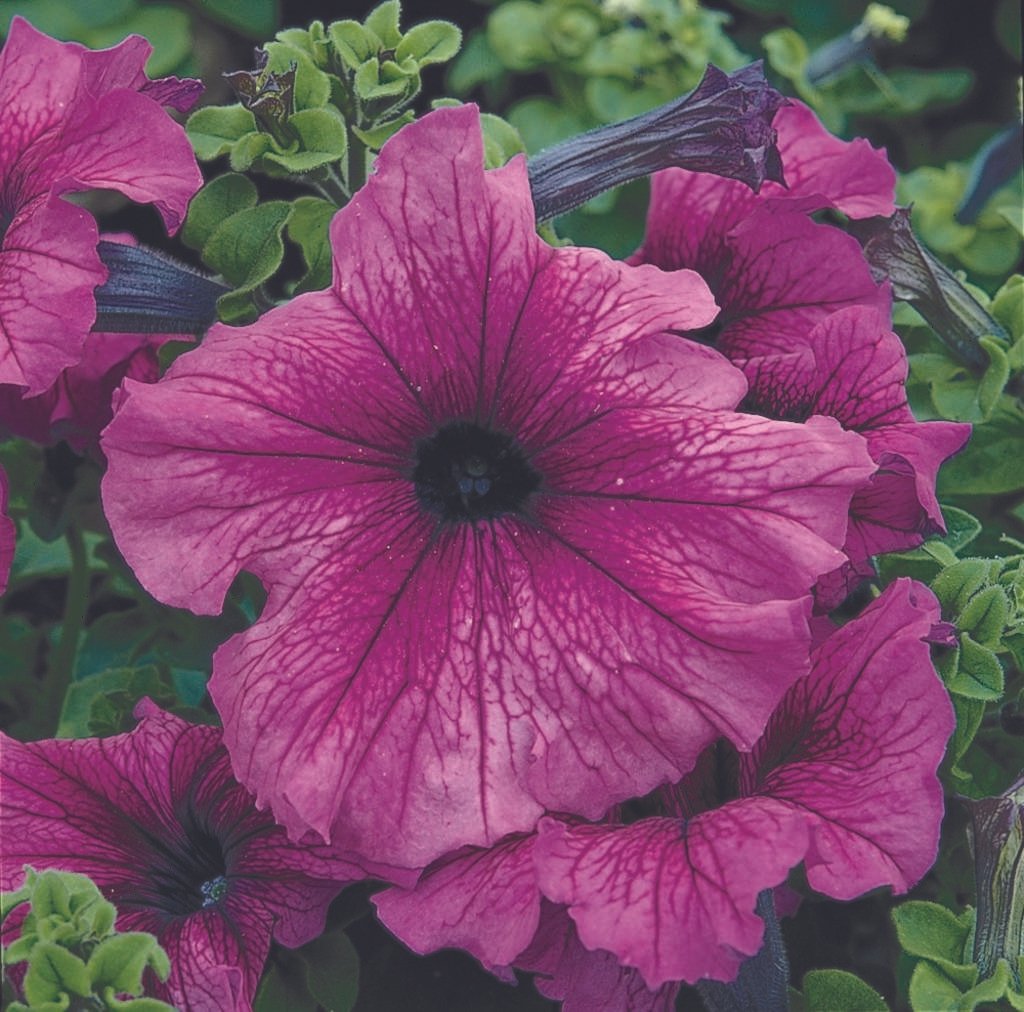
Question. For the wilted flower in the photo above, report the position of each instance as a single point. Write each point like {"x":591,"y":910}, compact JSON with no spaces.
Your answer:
{"x":73,"y":119}
{"x":158,"y":822}
{"x":844,"y":779}
{"x":520,"y":551}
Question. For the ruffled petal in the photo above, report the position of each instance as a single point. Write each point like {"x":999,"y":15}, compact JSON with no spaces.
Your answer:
{"x":857,"y":755}
{"x":673,"y":898}
{"x":484,"y":901}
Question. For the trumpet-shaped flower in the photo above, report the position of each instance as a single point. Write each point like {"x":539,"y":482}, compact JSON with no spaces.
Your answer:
{"x":521,"y":553}
{"x":844,"y":779}
{"x":158,"y":822}
{"x":73,"y":119}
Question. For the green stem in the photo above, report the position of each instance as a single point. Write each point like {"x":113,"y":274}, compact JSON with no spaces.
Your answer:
{"x":331,"y":186}
{"x":356,"y":163}
{"x":62,"y":662}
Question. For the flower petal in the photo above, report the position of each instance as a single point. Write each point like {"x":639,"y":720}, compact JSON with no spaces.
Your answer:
{"x":673,"y":898}
{"x":857,"y":755}
{"x":484,"y":901}
{"x":48,"y":270}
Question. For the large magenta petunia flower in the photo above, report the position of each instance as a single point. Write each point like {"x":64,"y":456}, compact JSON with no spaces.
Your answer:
{"x":156,"y":819}
{"x":779,"y":277}
{"x":521,"y":552}
{"x":844,"y":778}
{"x":73,"y":119}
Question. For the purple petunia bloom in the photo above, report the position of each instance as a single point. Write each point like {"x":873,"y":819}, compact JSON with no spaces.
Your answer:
{"x":73,"y":119}
{"x":158,"y":822}
{"x":779,"y":277}
{"x":521,"y":552}
{"x":844,"y":779}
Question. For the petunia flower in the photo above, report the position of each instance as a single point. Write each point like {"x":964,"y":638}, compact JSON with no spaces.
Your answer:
{"x":520,"y":551}
{"x":73,"y":119}
{"x":844,"y":779}
{"x":853,"y":368}
{"x":6,"y":534}
{"x":779,"y":277}
{"x":157,"y":821}
{"x":77,"y":406}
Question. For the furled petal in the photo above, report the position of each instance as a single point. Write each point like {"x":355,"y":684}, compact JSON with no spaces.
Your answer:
{"x":855,"y":745}
{"x":587,"y":980}
{"x":6,"y":534}
{"x":483,"y":901}
{"x":48,"y":270}
{"x":673,"y":898}
{"x":78,"y":404}
{"x":690,"y":212}
{"x":779,"y":275}
{"x":415,"y":685}
{"x":137,"y":812}
{"x":853,"y":368}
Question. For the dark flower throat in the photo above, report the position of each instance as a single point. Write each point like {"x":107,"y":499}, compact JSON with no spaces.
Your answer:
{"x":467,"y":472}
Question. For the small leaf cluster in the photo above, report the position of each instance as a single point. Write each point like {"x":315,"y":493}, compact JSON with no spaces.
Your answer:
{"x":604,"y":61}
{"x":945,"y":975}
{"x":320,"y":103}
{"x":75,"y":957}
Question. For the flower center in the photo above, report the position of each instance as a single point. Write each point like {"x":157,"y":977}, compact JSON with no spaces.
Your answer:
{"x":467,"y":472}
{"x":214,"y":890}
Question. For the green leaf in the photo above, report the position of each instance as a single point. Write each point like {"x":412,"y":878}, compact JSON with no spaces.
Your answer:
{"x":979,"y":674}
{"x":517,"y":34}
{"x":990,"y":464}
{"x":53,"y":972}
{"x":50,"y":896}
{"x":322,"y":137}
{"x":932,"y":991}
{"x":284,"y":985}
{"x":1008,"y":306}
{"x":839,"y":991}
{"x":215,"y":129}
{"x":312,"y":86}
{"x":969,"y":714}
{"x":218,"y":199}
{"x":370,"y":84}
{"x":352,"y":42}
{"x":985,"y":617}
{"x":89,"y":708}
{"x":333,"y":971}
{"x":253,"y":18}
{"x":138,"y":1005}
{"x":476,"y":64}
{"x":119,"y":962}
{"x":430,"y":42}
{"x":501,"y":140}
{"x":247,"y":248}
{"x":383,"y":22}
{"x":309,"y":226}
{"x":956,"y":584}
{"x":930,"y":930}
{"x":376,"y":137}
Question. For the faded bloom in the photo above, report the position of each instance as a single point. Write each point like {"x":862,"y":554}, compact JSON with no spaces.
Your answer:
{"x":844,"y":779}
{"x":158,"y":822}
{"x":73,"y":119}
{"x":808,"y":324}
{"x":521,"y":553}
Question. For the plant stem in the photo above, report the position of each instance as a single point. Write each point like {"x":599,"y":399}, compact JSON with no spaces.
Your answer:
{"x":356,"y":163}
{"x":76,"y":602}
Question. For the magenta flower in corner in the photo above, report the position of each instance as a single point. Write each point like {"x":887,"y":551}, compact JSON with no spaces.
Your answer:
{"x":843,"y":779}
{"x":156,"y":819}
{"x":73,"y":119}
{"x":455,"y":471}
{"x":779,"y":277}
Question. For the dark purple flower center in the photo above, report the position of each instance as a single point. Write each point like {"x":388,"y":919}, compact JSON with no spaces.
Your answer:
{"x":467,"y":472}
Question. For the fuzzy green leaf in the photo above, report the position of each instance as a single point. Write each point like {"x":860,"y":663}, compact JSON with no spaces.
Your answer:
{"x":308,"y":226}
{"x":990,"y":464}
{"x":217,"y":200}
{"x":979,"y":674}
{"x":430,"y":42}
{"x":53,"y":972}
{"x":352,"y":42}
{"x":383,"y":22}
{"x":215,"y":129}
{"x":985,"y":617}
{"x":247,"y":248}
{"x":333,"y":971}
{"x":930,"y":930}
{"x":322,"y":137}
{"x":119,"y":962}
{"x":839,"y":991}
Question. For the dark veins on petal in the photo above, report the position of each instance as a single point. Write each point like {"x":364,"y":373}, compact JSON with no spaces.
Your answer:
{"x":467,"y":472}
{"x":184,"y":873}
